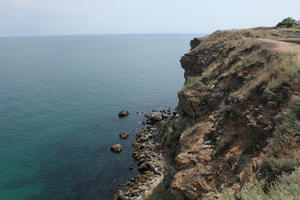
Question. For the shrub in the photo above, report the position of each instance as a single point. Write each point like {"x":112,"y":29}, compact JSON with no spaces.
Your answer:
{"x":287,"y":23}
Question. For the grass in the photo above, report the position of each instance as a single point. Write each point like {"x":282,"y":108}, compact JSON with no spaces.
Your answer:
{"x":285,"y":70}
{"x":290,"y":125}
{"x":287,"y":187}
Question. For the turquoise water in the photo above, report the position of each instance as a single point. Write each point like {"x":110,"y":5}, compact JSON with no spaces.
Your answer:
{"x":59,"y":100}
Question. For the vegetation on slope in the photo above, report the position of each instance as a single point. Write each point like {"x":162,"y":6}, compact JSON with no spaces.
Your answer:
{"x":287,"y":23}
{"x":287,"y":185}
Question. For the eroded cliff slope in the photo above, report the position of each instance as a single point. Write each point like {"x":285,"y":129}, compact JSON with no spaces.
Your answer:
{"x":239,"y":113}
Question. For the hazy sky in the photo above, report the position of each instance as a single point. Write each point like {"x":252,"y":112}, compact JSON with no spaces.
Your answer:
{"x":56,"y":17}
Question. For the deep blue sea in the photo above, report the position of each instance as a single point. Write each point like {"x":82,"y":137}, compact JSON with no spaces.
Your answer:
{"x":59,"y":103}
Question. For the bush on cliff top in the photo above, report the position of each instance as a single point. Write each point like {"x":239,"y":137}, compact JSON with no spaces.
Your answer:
{"x":287,"y":23}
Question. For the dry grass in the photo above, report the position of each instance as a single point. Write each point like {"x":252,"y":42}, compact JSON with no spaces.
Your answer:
{"x":287,"y":130}
{"x":287,"y":187}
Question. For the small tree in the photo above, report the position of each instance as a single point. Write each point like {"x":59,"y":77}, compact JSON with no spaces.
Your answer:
{"x":287,"y":23}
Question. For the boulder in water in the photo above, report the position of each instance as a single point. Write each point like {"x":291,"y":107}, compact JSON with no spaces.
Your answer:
{"x":117,"y":148}
{"x":123,"y":135}
{"x":123,"y":113}
{"x":156,"y":116}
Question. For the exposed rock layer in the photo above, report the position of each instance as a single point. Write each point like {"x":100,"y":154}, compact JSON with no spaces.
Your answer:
{"x":239,"y":86}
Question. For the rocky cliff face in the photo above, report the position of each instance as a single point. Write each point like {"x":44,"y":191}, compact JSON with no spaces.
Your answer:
{"x":239,"y":113}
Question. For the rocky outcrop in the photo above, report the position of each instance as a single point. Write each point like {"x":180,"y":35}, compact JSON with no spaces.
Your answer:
{"x":240,"y":86}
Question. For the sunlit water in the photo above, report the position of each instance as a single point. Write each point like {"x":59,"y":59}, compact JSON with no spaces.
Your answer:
{"x":59,"y":101}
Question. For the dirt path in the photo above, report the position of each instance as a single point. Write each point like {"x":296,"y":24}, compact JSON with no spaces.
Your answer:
{"x":286,"y":47}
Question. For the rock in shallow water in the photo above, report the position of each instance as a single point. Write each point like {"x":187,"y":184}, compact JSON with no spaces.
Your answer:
{"x":154,"y":117}
{"x":123,"y":113}
{"x":123,"y":135}
{"x":117,"y":148}
{"x":131,"y":166}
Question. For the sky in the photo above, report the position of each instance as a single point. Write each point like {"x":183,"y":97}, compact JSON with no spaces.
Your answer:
{"x":73,"y":17}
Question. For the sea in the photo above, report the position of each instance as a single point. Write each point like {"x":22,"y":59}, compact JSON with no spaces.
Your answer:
{"x":59,"y":102}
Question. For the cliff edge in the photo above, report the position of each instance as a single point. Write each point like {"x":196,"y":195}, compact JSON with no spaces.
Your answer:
{"x":238,"y":114}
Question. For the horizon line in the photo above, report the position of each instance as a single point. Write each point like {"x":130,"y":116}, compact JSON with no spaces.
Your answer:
{"x":98,"y":34}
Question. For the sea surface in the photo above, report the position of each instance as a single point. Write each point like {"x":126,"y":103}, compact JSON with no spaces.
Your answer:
{"x":59,"y":103}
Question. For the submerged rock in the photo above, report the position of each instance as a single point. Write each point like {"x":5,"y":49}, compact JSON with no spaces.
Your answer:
{"x":124,"y":135}
{"x":123,"y":113}
{"x":117,"y":148}
{"x":131,"y":166}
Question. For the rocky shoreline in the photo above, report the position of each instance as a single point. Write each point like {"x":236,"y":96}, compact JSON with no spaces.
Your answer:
{"x":148,"y":154}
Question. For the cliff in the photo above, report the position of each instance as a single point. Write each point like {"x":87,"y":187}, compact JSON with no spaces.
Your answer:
{"x":237,"y":127}
{"x":238,"y":114}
